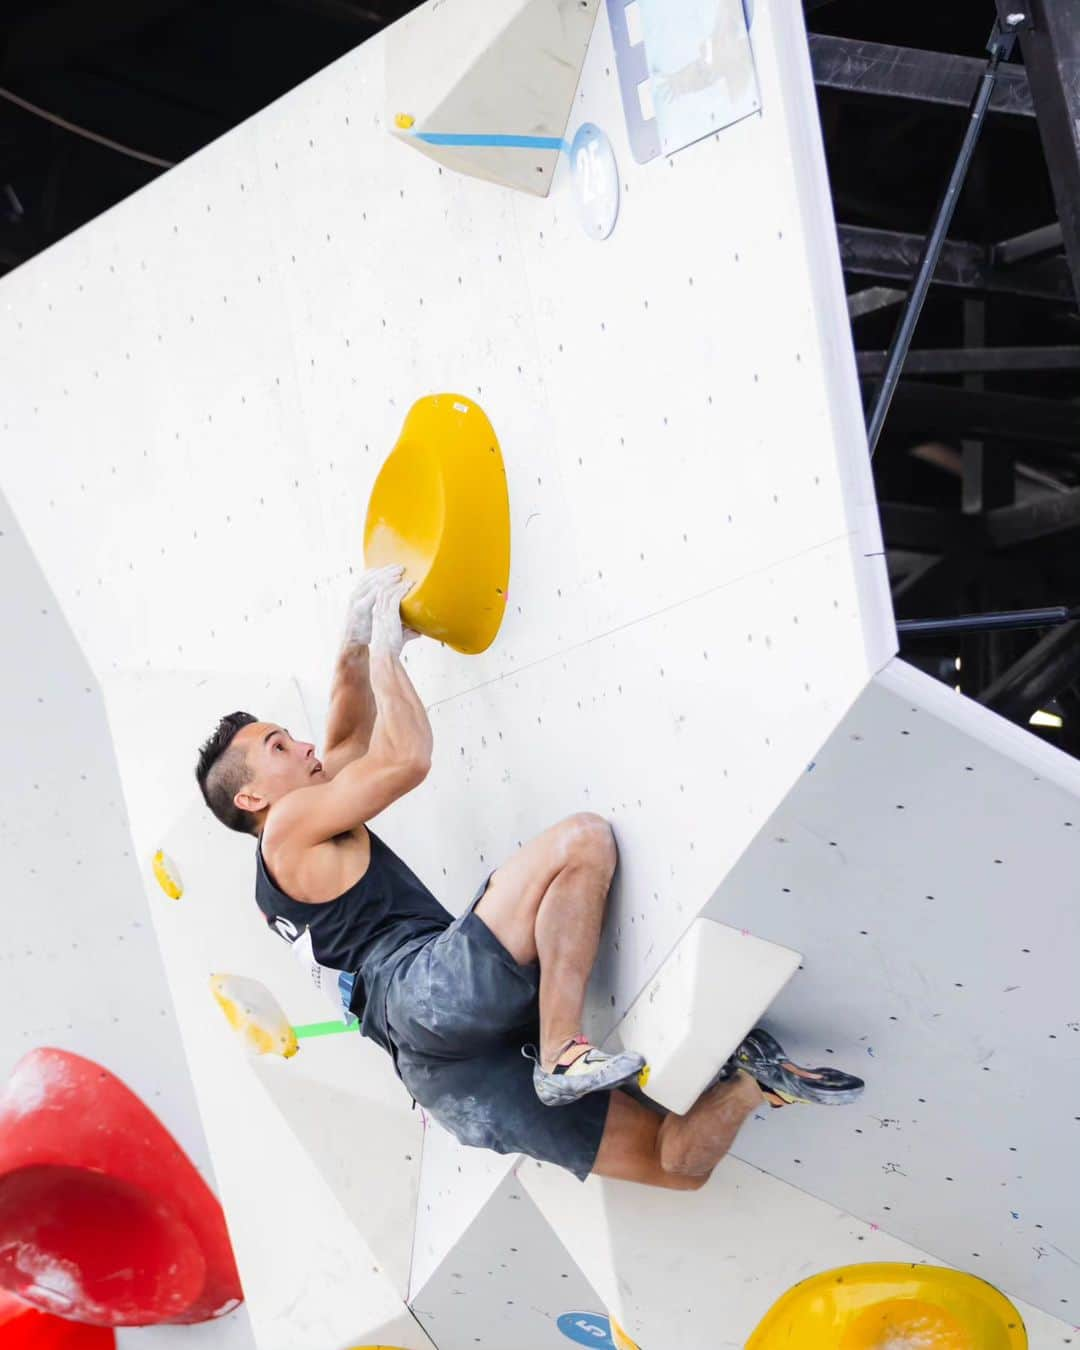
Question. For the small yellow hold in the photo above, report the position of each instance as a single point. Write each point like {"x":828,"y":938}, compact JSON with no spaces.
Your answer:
{"x":168,"y":877}
{"x":404,"y":121}
{"x":255,"y":1015}
{"x":643,"y":1076}
{"x":621,"y":1339}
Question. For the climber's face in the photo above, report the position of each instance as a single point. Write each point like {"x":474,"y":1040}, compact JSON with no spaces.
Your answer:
{"x":277,"y":765}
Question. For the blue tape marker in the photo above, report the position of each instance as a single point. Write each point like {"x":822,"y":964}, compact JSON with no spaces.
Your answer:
{"x":515,"y":142}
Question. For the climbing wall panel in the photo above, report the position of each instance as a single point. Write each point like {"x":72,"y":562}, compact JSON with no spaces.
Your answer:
{"x":925,"y":868}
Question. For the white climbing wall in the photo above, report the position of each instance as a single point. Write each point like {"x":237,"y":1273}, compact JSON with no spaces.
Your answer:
{"x":319,"y":1157}
{"x":79,"y":967}
{"x":510,"y":1278}
{"x":201,"y":387}
{"x":702,"y":1273}
{"x":930,"y":970}
{"x":926,"y":869}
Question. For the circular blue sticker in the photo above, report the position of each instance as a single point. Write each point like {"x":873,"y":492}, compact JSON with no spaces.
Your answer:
{"x":596,"y":180}
{"x":587,"y":1329}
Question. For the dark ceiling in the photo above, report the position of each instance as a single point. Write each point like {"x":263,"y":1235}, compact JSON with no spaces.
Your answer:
{"x":978,"y":467}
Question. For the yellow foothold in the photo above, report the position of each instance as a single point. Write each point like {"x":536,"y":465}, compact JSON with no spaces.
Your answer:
{"x":255,"y":1015}
{"x":621,"y":1339}
{"x":404,"y":121}
{"x":643,"y":1076}
{"x":168,"y":877}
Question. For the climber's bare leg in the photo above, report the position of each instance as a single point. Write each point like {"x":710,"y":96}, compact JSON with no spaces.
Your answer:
{"x":675,"y":1152}
{"x":547,"y":903}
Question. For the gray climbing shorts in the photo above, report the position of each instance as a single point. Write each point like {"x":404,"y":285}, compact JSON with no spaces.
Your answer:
{"x":458,"y":1011}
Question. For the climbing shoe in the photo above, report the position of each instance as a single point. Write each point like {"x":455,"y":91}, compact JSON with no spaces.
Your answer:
{"x":784,"y":1083}
{"x":590,"y":1071}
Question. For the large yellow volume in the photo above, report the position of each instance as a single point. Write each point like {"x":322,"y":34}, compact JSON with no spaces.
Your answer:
{"x":888,"y":1304}
{"x":440,"y":508}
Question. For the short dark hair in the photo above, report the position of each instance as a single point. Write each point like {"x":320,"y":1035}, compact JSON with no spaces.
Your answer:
{"x":223,"y":770}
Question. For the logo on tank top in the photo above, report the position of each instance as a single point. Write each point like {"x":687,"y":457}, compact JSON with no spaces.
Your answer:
{"x":285,"y":928}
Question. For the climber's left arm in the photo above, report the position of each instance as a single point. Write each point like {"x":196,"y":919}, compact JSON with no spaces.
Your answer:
{"x":352,"y":709}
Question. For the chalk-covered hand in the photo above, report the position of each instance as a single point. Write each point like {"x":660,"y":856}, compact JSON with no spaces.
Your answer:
{"x":387,"y":631}
{"x":362,"y":603}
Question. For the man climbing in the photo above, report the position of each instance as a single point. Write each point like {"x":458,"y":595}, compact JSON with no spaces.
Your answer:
{"x":456,"y":1002}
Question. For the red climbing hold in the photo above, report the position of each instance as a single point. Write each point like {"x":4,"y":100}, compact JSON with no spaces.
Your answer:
{"x":24,"y":1328}
{"x":103,"y":1218}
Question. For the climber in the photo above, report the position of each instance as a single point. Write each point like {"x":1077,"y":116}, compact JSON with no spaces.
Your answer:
{"x":458,"y":1002}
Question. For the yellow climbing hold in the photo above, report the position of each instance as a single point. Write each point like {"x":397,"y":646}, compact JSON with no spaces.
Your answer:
{"x":643,"y":1076}
{"x":889,"y":1305}
{"x":404,"y":121}
{"x":255,"y":1015}
{"x":440,"y":509}
{"x":621,"y":1339}
{"x":168,"y":877}
{"x":906,"y":1321}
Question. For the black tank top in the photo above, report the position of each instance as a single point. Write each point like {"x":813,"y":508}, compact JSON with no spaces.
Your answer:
{"x":362,"y":934}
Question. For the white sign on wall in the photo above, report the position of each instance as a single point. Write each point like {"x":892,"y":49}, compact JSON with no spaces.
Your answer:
{"x":596,"y":181}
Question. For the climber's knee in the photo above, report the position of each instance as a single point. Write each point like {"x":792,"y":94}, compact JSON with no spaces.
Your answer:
{"x":587,"y":837}
{"x":678,"y":1179}
{"x":630,"y":1148}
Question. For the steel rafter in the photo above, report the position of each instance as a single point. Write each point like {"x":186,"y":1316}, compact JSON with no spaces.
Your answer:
{"x":935,"y":411}
{"x":1051,"y":51}
{"x":1051,"y":665}
{"x":974,"y":360}
{"x":907,"y":72}
{"x":892,"y":255}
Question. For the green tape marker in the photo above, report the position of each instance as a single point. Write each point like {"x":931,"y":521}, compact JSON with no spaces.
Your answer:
{"x":323,"y":1029}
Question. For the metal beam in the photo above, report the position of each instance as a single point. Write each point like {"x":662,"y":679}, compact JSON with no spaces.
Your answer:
{"x":987,"y":474}
{"x":890,"y":255}
{"x":905,"y":72}
{"x":931,"y":411}
{"x":993,"y":621}
{"x":949,"y":460}
{"x":1055,"y":513}
{"x":926,"y":529}
{"x":974,"y":360}
{"x":872,"y":300}
{"x":1051,"y":665}
{"x":1046,"y":239}
{"x":999,"y":46}
{"x":1052,"y":57}
{"x":939,"y":585}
